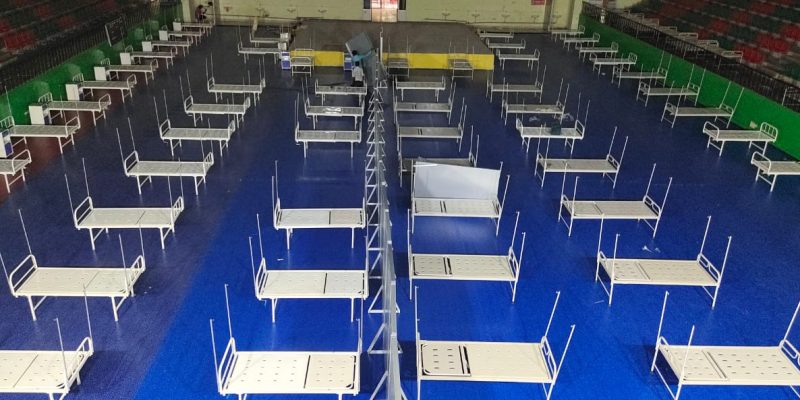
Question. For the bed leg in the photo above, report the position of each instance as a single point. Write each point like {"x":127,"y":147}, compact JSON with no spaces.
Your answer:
{"x":611,"y":291}
{"x":273,"y":306}
{"x":161,"y":235}
{"x":92,"y":237}
{"x":114,"y":307}
{"x":352,"y":309}
{"x":352,"y":238}
{"x":33,"y":307}
{"x":288,"y":237}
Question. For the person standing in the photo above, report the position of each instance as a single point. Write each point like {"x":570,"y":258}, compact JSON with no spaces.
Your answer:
{"x":200,"y":13}
{"x":358,"y":75}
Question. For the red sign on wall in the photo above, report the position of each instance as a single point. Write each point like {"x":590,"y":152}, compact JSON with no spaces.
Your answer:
{"x":537,"y":2}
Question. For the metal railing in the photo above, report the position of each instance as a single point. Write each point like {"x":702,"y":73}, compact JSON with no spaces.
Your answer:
{"x":766,"y":83}
{"x":29,"y":65}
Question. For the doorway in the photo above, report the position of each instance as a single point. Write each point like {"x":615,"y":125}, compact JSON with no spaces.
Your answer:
{"x":384,"y":10}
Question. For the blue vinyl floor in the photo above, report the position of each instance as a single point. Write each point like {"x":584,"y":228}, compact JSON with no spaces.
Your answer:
{"x":161,"y":346}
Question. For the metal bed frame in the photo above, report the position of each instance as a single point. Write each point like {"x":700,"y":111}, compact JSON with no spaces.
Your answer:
{"x":125,"y":87}
{"x":723,"y":112}
{"x":467,"y":267}
{"x":307,"y":136}
{"x":108,"y":71}
{"x":316,"y":111}
{"x":246,"y":52}
{"x":609,"y":166}
{"x":45,"y":105}
{"x":590,"y":50}
{"x":561,"y":34}
{"x":529,"y":58}
{"x":702,"y":365}
{"x":64,"y":133}
{"x":13,"y":169}
{"x":302,"y":61}
{"x":690,"y":90}
{"x":471,"y":160}
{"x":435,"y":86}
{"x":576,"y":41}
{"x":717,"y":137}
{"x":504,"y":88}
{"x":697,"y":272}
{"x":198,"y":110}
{"x":433,"y":132}
{"x":568,"y":134}
{"x":340,"y":90}
{"x":500,"y":362}
{"x":769,"y":170}
{"x":599,"y":62}
{"x":133,"y":56}
{"x":556,"y":109}
{"x":427,"y":107}
{"x":646,"y":210}
{"x":497,"y":46}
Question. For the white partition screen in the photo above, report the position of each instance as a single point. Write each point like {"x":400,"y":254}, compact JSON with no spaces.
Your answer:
{"x":454,"y":182}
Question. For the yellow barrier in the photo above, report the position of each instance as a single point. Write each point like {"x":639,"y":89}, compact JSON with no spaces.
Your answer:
{"x":415,"y":60}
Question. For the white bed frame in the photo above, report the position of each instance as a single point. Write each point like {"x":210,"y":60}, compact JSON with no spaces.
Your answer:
{"x":529,"y":58}
{"x":219,"y":89}
{"x":568,"y":134}
{"x":272,"y":40}
{"x":340,"y":90}
{"x":657,"y":75}
{"x":48,"y":372}
{"x":125,"y":87}
{"x":290,"y":219}
{"x":433,"y":132}
{"x":13,"y":169}
{"x":591,"y":49}
{"x":458,"y":208}
{"x":506,"y":45}
{"x":691,"y":90}
{"x":697,"y":272}
{"x":599,"y":62}
{"x":316,"y":111}
{"x":244,"y":373}
{"x":581,"y":41}
{"x":130,"y":55}
{"x":766,"y":133}
{"x":471,"y":160}
{"x":484,"y":35}
{"x":144,"y":171}
{"x":723,"y":112}
{"x":556,"y":109}
{"x":302,"y":61}
{"x":246,"y":51}
{"x":500,"y":362}
{"x":426,"y":107}
{"x":65,"y":134}
{"x":108,"y":71}
{"x":45,"y":105}
{"x":769,"y":170}
{"x":153,"y":45}
{"x":398,"y":65}
{"x":198,"y":110}
{"x":86,"y":216}
{"x":609,"y":166}
{"x":323,"y":284}
{"x":459,"y":64}
{"x":505,"y":88}
{"x":467,"y":267}
{"x":36,"y":283}
{"x":307,"y":136}
{"x":727,"y":365}
{"x":204,"y":27}
{"x":646,"y":209}
{"x":561,"y":34}
{"x":435,"y":86}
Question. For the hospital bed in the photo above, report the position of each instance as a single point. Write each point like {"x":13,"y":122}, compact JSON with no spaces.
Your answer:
{"x":13,"y":169}
{"x":271,"y":40}
{"x":467,"y":267}
{"x":321,"y":284}
{"x":46,"y":108}
{"x":85,"y":216}
{"x":658,"y":76}
{"x":432,"y":132}
{"x":47,"y":372}
{"x":204,"y":27}
{"x":646,"y":90}
{"x":80,"y":86}
{"x":302,"y":61}
{"x":515,"y":46}
{"x":646,"y":209}
{"x":609,"y":166}
{"x":707,"y":365}
{"x":599,"y":62}
{"x":198,"y":110}
{"x":219,"y":89}
{"x":155,"y":45}
{"x":435,"y":86}
{"x":427,"y":107}
{"x":769,"y":170}
{"x":529,"y":58}
{"x":316,"y":111}
{"x":175,"y":136}
{"x":486,"y":35}
{"x":589,"y":51}
{"x":717,"y":137}
{"x":129,"y":56}
{"x":289,"y":219}
{"x":194,"y":36}
{"x":561,"y":34}
{"x":505,"y":88}
{"x":697,"y":272}
{"x":107,"y":71}
{"x":247,"y":51}
{"x":581,"y":41}
{"x":722,"y":112}
{"x":460,"y":66}
{"x":495,"y":362}
{"x":568,"y":134}
{"x":64,"y":133}
{"x":407,"y":165}
{"x":432,"y":202}
{"x":266,"y":372}
{"x":340,"y":90}
{"x":554,"y":109}
{"x":306,"y":136}
{"x":144,"y":171}
{"x":36,"y":283}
